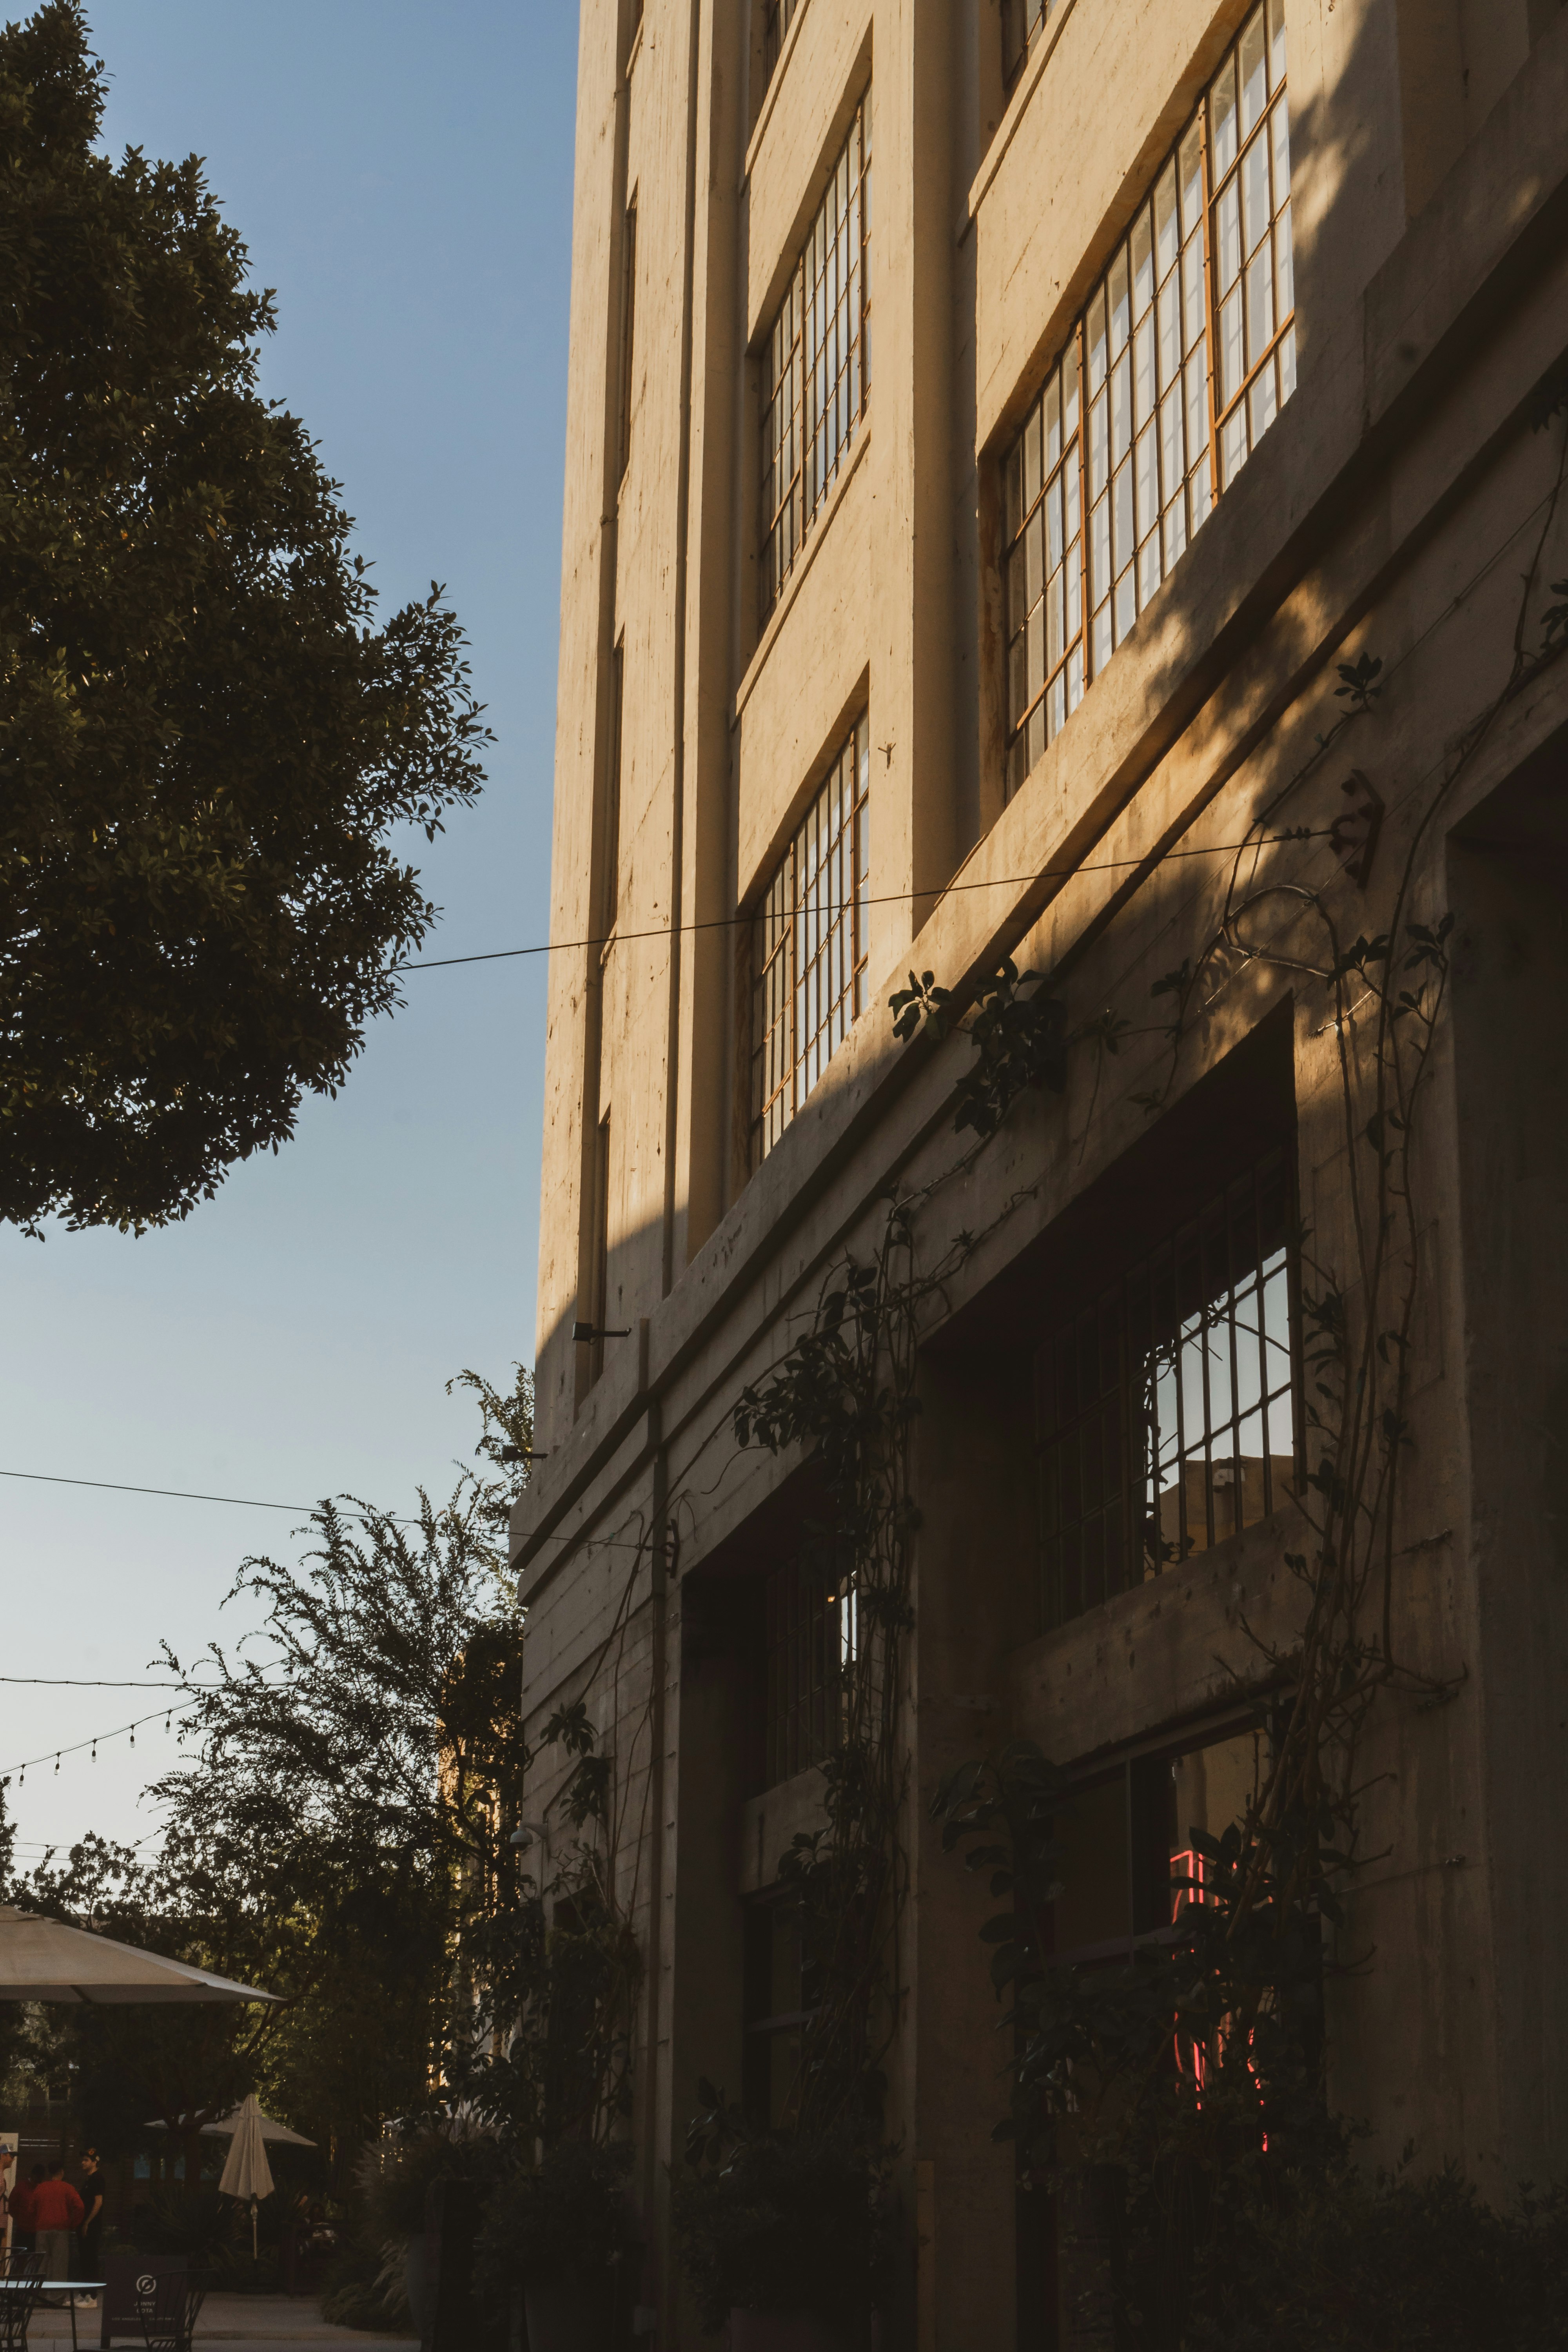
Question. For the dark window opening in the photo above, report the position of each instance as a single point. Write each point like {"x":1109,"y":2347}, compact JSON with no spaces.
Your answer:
{"x":1166,"y":1409}
{"x":809,"y":1642}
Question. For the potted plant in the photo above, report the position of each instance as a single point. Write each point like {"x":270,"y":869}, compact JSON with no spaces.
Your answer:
{"x":784,"y":2236}
{"x":561,"y":2231}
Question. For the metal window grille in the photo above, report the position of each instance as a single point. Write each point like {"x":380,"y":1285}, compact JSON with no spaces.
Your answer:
{"x":811,"y":1635}
{"x":1022,"y":23}
{"x":1177,"y":366}
{"x":1166,"y":1412}
{"x":810,"y":950}
{"x":777,"y":19}
{"x":818,"y":360}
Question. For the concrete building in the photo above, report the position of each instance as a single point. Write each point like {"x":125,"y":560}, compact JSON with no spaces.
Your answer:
{"x":991,"y":430}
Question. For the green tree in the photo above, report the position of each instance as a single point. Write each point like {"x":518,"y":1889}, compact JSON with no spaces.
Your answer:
{"x":205,"y":741}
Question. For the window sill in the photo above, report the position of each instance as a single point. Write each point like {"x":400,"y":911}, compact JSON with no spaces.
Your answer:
{"x":819,"y":529}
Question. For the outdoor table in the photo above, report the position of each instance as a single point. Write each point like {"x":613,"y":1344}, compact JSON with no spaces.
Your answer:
{"x":69,"y":2288}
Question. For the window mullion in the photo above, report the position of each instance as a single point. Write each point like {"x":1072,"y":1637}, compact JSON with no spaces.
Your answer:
{"x":1211,"y":297}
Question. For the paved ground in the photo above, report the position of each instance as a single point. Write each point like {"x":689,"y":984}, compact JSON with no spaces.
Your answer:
{"x":248,"y":2323}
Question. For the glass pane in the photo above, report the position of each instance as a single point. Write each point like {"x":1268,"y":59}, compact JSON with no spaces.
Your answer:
{"x":1054,"y":525}
{"x":1254,"y":76}
{"x":1143,"y":263}
{"x":1146,"y":475}
{"x":1122,"y":534}
{"x":1033,"y":566}
{"x":1222,"y":117}
{"x":1279,"y":133}
{"x":1069,"y":391}
{"x":1260,"y":304}
{"x":1172,"y":468}
{"x":1227,"y":238}
{"x":1167,"y":235}
{"x":1031,"y":458}
{"x":1190,"y":177}
{"x":1099,"y":444}
{"x":1094,"y":339}
{"x":1116,"y":293}
{"x":1275,"y":43}
{"x":1121,"y":408}
{"x":1254,"y":192}
{"x":1232,"y":367}
{"x":1193,"y":289}
{"x":1014,"y":472}
{"x":1285,"y":264}
{"x":1170,"y":330}
{"x":1053,"y":421}
{"x":1144,"y":367}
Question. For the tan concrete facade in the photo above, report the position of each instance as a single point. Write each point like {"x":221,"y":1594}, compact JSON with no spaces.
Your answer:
{"x":1391,"y":509}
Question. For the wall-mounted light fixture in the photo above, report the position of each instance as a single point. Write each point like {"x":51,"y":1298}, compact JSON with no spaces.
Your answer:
{"x":584,"y":1334}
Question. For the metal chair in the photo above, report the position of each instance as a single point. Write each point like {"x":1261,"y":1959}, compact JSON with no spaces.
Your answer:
{"x":169,"y":2317}
{"x":19,"y":2293}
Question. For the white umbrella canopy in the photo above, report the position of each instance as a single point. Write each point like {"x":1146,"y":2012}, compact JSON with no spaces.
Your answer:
{"x":227,"y":2125}
{"x":42,"y":1960}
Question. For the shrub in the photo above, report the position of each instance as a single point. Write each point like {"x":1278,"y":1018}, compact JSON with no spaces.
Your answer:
{"x":568,"y":2219}
{"x":793,"y":2222}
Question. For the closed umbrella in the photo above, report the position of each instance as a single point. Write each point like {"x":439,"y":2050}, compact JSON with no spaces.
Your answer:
{"x":248,"y":2175}
{"x":42,"y":1960}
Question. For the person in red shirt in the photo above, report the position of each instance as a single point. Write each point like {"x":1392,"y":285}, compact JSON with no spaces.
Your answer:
{"x":22,"y":2222}
{"x":56,"y":2215}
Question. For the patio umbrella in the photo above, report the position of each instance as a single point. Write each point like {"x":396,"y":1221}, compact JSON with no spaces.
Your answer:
{"x":42,"y":1960}
{"x":227,"y":2125}
{"x":248,"y":2175}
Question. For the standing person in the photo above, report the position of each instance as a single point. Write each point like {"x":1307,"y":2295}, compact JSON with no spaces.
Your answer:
{"x":57,"y":2214}
{"x":8,"y":2180}
{"x":23,"y":2225}
{"x":90,"y":2189}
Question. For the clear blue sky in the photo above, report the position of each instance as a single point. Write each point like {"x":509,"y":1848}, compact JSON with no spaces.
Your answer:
{"x":401,"y":173}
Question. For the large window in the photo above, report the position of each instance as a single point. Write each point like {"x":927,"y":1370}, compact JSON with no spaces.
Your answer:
{"x":810,"y":948}
{"x":1175,"y":369}
{"x":1165,"y":1410}
{"x":818,"y":360}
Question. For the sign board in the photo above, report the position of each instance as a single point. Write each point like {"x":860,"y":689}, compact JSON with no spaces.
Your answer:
{"x":134,"y":2283}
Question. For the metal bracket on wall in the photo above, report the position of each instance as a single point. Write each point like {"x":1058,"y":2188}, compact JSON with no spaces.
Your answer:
{"x":1353,"y":834}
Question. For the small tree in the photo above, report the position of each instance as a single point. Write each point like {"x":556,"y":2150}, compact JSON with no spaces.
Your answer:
{"x":205,"y":741}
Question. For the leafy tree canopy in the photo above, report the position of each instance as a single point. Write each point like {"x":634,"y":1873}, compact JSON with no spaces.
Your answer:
{"x":204,"y":738}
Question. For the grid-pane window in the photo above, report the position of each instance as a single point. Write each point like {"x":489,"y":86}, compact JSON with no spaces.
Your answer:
{"x":1166,"y":1411}
{"x":1176,"y":367}
{"x":817,"y":360}
{"x":1022,"y":21}
{"x":810,"y":1642}
{"x":810,"y":950}
{"x":777,"y":17}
